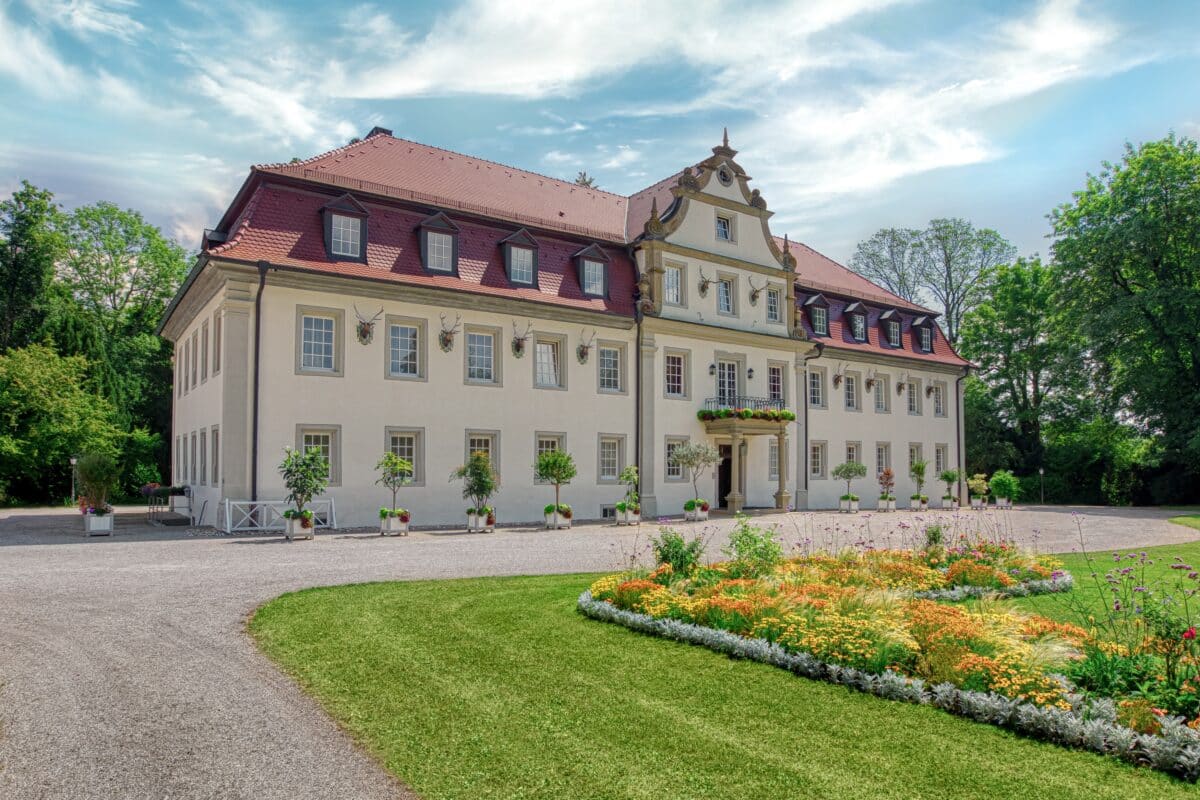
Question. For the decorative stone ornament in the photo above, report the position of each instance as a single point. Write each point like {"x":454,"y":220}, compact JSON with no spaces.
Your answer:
{"x":446,"y":336}
{"x":688,"y":179}
{"x":654,"y":228}
{"x":518,"y":341}
{"x":365,"y":328}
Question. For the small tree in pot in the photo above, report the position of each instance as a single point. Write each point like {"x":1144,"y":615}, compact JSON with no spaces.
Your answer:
{"x":887,"y":485}
{"x":848,"y":472}
{"x":695,"y":458}
{"x":916,"y":471}
{"x":305,"y":475}
{"x":97,"y":474}
{"x":977,"y":485}
{"x":629,"y":508}
{"x":1005,"y":487}
{"x":556,"y":467}
{"x":479,"y":484}
{"x":950,"y":478}
{"x":394,"y":473}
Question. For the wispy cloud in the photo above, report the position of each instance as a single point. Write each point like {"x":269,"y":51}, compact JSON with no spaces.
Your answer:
{"x":87,"y":18}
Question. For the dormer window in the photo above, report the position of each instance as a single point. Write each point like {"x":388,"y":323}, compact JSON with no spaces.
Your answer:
{"x":889,"y":321}
{"x":591,"y":264}
{"x":856,"y":313}
{"x":926,"y":339}
{"x":724,"y":229}
{"x":345,"y":224}
{"x":439,"y":244}
{"x":818,"y":314}
{"x":924,"y":330}
{"x":521,"y":258}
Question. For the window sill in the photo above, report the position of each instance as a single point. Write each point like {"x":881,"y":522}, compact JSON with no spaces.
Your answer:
{"x":320,"y":373}
{"x":550,"y":387}
{"x":407,"y":378}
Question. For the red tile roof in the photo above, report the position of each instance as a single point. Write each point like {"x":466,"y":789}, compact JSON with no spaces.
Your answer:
{"x":840,"y":335}
{"x":284,"y":226}
{"x":822,"y":273}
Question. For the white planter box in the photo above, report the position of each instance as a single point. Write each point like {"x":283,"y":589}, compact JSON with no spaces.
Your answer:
{"x":918,"y":505}
{"x":689,"y":516}
{"x":295,"y":529}
{"x":633,"y":517}
{"x":557,"y":522}
{"x":477,"y":523}
{"x":848,"y":506}
{"x":701,"y":515}
{"x":98,"y":524}
{"x":392,"y":526}
{"x":1003,"y":502}
{"x":978,"y":503}
{"x":889,"y":505}
{"x":948,"y":503}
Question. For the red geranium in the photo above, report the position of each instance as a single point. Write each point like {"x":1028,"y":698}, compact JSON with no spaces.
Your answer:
{"x":1190,"y":633}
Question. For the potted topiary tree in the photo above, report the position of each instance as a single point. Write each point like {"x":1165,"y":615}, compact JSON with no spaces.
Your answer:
{"x":848,"y":472}
{"x":950,"y":478}
{"x":556,"y":467}
{"x":629,"y":508}
{"x":394,"y":472}
{"x":97,"y":474}
{"x":916,"y":471}
{"x":479,"y":484}
{"x":887,"y":485}
{"x":305,"y":475}
{"x":1005,"y":487}
{"x":695,"y":458}
{"x":977,"y":485}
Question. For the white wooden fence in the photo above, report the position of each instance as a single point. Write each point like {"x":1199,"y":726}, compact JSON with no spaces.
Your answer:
{"x":240,"y":516}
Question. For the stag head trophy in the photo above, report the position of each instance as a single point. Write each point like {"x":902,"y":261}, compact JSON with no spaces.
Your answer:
{"x":901,"y":382}
{"x":585,"y":346}
{"x":839,"y":374}
{"x":871,"y":380}
{"x":446,"y":337}
{"x":518,"y":341}
{"x":755,"y":291}
{"x":365,"y":328}
{"x":704,"y":283}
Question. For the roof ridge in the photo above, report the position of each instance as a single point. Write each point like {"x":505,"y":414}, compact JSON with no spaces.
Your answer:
{"x":243,"y":222}
{"x":302,"y":161}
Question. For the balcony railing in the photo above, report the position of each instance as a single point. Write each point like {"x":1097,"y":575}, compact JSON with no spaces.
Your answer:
{"x":740,"y":401}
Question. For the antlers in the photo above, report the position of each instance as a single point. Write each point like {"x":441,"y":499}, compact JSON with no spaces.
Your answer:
{"x":704,"y":283}
{"x":587,"y":341}
{"x":453,"y":329}
{"x":755,"y":291}
{"x":524,"y":335}
{"x":370,"y":321}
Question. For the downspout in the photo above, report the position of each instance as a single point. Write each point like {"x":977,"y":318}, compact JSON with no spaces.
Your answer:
{"x":637,"y":374}
{"x":962,"y":444}
{"x":262,"y":282}
{"x":803,"y":469}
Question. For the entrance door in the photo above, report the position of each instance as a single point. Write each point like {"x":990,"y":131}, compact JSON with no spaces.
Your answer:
{"x":724,"y":475}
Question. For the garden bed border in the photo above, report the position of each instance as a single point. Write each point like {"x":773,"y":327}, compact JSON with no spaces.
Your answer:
{"x":1090,"y":725}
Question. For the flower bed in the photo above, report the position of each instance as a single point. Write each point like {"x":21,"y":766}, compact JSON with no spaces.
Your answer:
{"x":874,"y":620}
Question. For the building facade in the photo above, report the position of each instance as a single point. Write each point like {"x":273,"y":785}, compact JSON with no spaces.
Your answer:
{"x":391,"y":296}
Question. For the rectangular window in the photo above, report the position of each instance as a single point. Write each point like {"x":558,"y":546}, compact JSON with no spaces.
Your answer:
{"x":881,"y":396}
{"x":317,"y":344}
{"x":727,"y":382}
{"x":914,"y":397}
{"x":773,"y":306}
{"x":319,"y":440}
{"x":545,"y":443}
{"x":816,"y":460}
{"x":346,"y":236}
{"x":406,"y":444}
{"x":939,"y":401}
{"x":858,"y":326}
{"x":216,"y":456}
{"x":820,"y":320}
{"x":725,"y":296}
{"x":204,"y":352}
{"x":673,"y":286}
{"x":674,"y":471}
{"x":548,"y":369}
{"x":193,"y":476}
{"x":724,"y":229}
{"x":883,"y":457}
{"x":926,"y":339}
{"x":893,"y":333}
{"x":852,"y":454}
{"x":195,"y":357}
{"x":485,"y":442}
{"x":593,"y":278}
{"x":674,"y":376}
{"x":179,"y":373}
{"x":218,"y":319}
{"x":772,"y":459}
{"x":775,"y":382}
{"x":939,"y":459}
{"x":403,"y":342}
{"x":851,"y":393}
{"x":914,"y":454}
{"x":203,"y":472}
{"x":609,"y":359}
{"x":816,"y":389}
{"x":481,"y":357}
{"x":522,"y":265}
{"x":610,"y":458}
{"x":183,"y":457}
{"x":178,"y":463}
{"x":440,"y":251}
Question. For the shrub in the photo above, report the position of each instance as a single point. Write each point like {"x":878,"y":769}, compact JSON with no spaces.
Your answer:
{"x":479,"y":481}
{"x":305,"y":475}
{"x":950,"y":478}
{"x":97,"y":474}
{"x":555,"y":467}
{"x":887,"y":483}
{"x":671,"y":548}
{"x":755,"y":550}
{"x":933,"y":536}
{"x":977,"y":485}
{"x":1004,"y":484}
{"x":394,"y":472}
{"x":848,"y":472}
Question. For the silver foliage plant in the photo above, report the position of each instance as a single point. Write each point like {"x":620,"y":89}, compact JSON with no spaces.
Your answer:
{"x":1061,"y":583}
{"x":1089,"y":725}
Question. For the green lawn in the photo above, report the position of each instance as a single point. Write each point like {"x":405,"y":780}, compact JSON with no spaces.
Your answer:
{"x":498,"y":688}
{"x":1190,"y":520}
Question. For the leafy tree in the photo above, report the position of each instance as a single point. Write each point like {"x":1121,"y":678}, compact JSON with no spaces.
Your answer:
{"x":479,"y":481}
{"x":950,"y":478}
{"x":583,"y":179}
{"x":305,"y":475}
{"x":695,"y":457}
{"x":394,"y":473}
{"x":47,"y":416}
{"x":848,"y":472}
{"x":890,"y":259}
{"x":955,"y":258}
{"x":1128,"y":253}
{"x":30,"y":244}
{"x":916,"y":471}
{"x":990,"y":443}
{"x":556,"y":467}
{"x":1032,"y":359}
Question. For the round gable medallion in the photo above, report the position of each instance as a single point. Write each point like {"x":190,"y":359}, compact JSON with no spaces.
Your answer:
{"x":725,"y":176}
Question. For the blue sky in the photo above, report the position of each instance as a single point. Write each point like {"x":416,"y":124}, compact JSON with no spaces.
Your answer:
{"x":850,"y":115}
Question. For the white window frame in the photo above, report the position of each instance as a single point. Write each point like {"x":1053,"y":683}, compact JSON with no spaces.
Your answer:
{"x":552,"y":374}
{"x":334,"y":432}
{"x":724,"y":233}
{"x":218,"y":324}
{"x":202,"y":471}
{"x":775,"y":371}
{"x":685,"y":369}
{"x":727,"y":295}
{"x":819,"y":314}
{"x":926,"y":339}
{"x":858,"y":327}
{"x":818,"y":456}
{"x":521,"y":265}
{"x":941,"y":459}
{"x":893,"y":332}
{"x":854,"y":452}
{"x":880,"y":393}
{"x":673,"y":473}
{"x":913,"y":390}
{"x":204,"y":352}
{"x":215,"y":462}
{"x":603,"y":374}
{"x":439,"y":251}
{"x":393,"y":432}
{"x":774,"y":305}
{"x":850,"y":387}
{"x":493,"y":439}
{"x":939,"y":400}
{"x":593,"y":278}
{"x":559,"y":441}
{"x":345,"y":236}
{"x":618,"y":441}
{"x":883,"y":457}
{"x":418,"y":351}
{"x":469,"y":334}
{"x":336,"y":319}
{"x":772,"y":458}
{"x":816,"y":380}
{"x":673,"y":288}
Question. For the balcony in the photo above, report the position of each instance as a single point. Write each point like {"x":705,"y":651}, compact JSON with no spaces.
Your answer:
{"x":741,"y":401}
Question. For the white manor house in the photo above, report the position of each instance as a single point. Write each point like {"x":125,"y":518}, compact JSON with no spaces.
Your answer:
{"x":389,"y":295}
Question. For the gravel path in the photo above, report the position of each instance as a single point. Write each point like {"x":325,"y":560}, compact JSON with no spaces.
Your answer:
{"x":125,"y":671}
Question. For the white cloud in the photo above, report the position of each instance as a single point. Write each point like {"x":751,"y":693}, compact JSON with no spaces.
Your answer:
{"x":559,"y":158}
{"x":32,"y":61}
{"x":86,"y":18}
{"x":623,"y":157}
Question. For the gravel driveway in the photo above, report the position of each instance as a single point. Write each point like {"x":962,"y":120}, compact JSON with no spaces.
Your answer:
{"x":125,"y":671}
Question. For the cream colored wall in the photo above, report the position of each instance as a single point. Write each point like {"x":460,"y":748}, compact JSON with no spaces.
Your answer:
{"x":200,"y":408}
{"x":364,"y":403}
{"x":836,"y":426}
